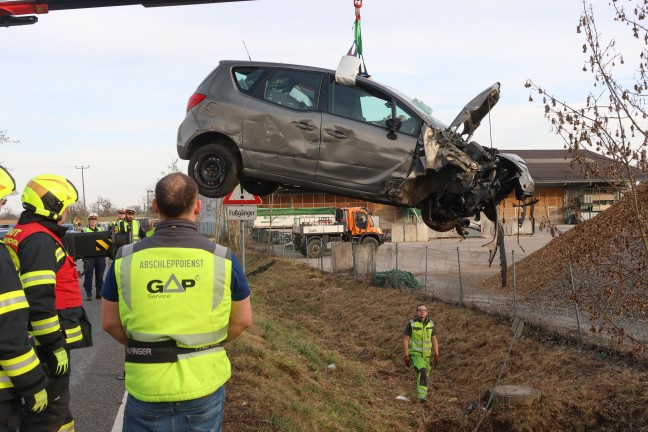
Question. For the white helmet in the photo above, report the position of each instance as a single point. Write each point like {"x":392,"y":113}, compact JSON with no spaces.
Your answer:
{"x":93,"y":215}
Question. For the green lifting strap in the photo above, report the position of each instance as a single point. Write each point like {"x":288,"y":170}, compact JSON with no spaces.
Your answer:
{"x":356,"y":48}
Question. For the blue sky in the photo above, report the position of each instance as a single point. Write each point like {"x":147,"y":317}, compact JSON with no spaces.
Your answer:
{"x":107,"y":88}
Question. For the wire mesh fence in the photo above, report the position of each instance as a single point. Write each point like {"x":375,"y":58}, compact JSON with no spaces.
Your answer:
{"x":465,"y":278}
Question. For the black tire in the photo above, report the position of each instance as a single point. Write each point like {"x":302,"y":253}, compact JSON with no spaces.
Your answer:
{"x":215,"y":169}
{"x":315,"y":247}
{"x":258,"y":187}
{"x":372,"y":242}
{"x":434,"y":221}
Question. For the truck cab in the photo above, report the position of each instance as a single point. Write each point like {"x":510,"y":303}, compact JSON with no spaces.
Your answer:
{"x":352,"y":224}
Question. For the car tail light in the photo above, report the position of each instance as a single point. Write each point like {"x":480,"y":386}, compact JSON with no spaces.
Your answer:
{"x":194,"y":100}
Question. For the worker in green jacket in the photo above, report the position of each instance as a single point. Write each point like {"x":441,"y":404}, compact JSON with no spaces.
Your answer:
{"x":418,"y":342}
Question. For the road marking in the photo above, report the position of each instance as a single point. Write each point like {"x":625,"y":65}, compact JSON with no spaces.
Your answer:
{"x":119,"y":420}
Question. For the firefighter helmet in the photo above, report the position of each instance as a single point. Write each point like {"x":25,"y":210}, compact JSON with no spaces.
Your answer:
{"x":7,"y":183}
{"x":49,"y":195}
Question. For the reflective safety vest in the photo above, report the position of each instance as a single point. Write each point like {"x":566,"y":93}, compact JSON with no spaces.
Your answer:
{"x":68,"y":300}
{"x":68,"y":293}
{"x":133,"y":227}
{"x":420,"y":342}
{"x":88,"y":229}
{"x":174,"y":304}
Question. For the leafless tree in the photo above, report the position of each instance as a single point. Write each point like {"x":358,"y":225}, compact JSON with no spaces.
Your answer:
{"x":613,"y":119}
{"x":170,"y":168}
{"x":5,"y":139}
{"x":613,"y":122}
{"x":106,"y":206}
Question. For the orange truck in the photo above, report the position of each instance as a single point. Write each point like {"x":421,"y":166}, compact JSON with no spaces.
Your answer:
{"x":313,"y":236}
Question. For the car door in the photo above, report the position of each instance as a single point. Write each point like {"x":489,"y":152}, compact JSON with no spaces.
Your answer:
{"x":357,"y":149}
{"x":281,"y":124}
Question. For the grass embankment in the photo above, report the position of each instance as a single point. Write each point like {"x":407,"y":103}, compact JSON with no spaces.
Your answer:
{"x":305,"y":321}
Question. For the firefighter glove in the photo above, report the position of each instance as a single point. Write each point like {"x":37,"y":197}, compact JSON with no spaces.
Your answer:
{"x":61,"y":361}
{"x":436,"y":359}
{"x":38,"y":402}
{"x":408,"y":360}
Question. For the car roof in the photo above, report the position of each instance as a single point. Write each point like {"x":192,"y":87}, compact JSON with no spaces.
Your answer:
{"x":400,"y":95}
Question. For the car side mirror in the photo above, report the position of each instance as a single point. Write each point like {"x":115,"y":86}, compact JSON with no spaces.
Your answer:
{"x":393,"y":124}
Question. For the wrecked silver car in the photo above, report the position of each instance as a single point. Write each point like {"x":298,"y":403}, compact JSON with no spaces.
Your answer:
{"x":267,"y":125}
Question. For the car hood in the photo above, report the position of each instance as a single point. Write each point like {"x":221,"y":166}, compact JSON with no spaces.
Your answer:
{"x":472,"y":114}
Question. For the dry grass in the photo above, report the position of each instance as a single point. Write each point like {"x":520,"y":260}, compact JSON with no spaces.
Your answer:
{"x":305,"y":321}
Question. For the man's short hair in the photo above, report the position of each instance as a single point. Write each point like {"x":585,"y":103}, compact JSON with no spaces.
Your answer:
{"x":175,"y":194}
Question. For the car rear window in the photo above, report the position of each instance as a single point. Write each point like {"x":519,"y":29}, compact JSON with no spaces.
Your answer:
{"x":246,"y":76}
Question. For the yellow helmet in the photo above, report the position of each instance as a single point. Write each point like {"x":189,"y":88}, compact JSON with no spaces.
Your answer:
{"x":49,"y":195}
{"x":7,"y":183}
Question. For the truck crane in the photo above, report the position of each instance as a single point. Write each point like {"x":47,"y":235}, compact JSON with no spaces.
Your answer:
{"x":15,"y":13}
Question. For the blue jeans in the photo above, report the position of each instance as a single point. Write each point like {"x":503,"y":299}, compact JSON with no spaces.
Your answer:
{"x":204,"y":414}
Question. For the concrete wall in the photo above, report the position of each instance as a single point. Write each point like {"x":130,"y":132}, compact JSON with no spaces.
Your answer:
{"x":419,"y":232}
{"x":409,"y":232}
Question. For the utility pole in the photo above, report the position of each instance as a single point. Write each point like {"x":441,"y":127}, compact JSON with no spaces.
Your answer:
{"x":82,"y":168}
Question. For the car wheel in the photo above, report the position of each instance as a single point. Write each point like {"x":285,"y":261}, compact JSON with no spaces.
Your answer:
{"x":215,"y":169}
{"x":259,"y":187}
{"x":371,"y":241}
{"x":435,"y":222}
{"x":315,"y":247}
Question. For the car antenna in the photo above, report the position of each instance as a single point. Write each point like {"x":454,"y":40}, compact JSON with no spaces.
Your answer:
{"x":246,"y":50}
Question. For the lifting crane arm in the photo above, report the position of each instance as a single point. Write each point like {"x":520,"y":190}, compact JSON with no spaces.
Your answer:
{"x":10,"y":9}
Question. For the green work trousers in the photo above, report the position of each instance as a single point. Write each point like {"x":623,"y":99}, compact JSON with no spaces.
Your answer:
{"x":422,"y":367}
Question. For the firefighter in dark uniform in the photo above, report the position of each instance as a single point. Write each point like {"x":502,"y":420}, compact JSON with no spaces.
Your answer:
{"x":93,"y":267}
{"x":49,"y":277}
{"x":21,"y":374}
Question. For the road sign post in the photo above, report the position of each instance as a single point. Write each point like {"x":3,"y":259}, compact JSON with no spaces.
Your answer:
{"x":241,"y":206}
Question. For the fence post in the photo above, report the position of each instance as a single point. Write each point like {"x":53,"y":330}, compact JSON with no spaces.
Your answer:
{"x":461,"y":296}
{"x":426,"y":270}
{"x":514,"y":285}
{"x":321,"y":260}
{"x":396,"y":256}
{"x":580,"y":334}
{"x":353,"y":255}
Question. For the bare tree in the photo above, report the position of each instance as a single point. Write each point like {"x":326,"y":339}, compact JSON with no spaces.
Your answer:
{"x":106,"y":206}
{"x":170,"y":168}
{"x":613,"y":122}
{"x":5,"y":139}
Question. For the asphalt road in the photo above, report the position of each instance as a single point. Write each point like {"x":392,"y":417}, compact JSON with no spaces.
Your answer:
{"x":96,"y":391}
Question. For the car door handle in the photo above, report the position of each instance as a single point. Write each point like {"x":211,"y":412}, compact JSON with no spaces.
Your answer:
{"x":336,"y":134}
{"x":305,"y":126}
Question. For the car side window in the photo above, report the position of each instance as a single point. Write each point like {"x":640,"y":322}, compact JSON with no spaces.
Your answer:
{"x":246,"y":76}
{"x":298,"y":90}
{"x":409,"y":122}
{"x":358,"y":104}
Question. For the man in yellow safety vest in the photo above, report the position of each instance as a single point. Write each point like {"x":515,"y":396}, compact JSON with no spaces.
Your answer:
{"x":173,"y":299}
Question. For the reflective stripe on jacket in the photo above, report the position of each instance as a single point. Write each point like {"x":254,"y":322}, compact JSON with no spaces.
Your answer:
{"x":132,"y":227}
{"x":67,"y":292}
{"x":175,"y":294}
{"x":420,"y":341}
{"x":20,"y":370}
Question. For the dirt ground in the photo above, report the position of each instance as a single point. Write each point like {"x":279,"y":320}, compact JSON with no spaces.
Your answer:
{"x":306,"y":321}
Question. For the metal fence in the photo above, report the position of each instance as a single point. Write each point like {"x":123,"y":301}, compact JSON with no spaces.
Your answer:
{"x":465,"y":278}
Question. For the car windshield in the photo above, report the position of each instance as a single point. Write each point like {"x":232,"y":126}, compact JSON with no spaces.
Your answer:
{"x":418,"y":105}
